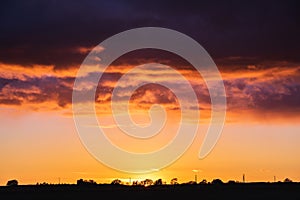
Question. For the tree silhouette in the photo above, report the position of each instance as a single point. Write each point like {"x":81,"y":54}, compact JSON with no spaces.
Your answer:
{"x":86,"y":182}
{"x":217,"y":181}
{"x":135,"y":183}
{"x":147,"y":182}
{"x":191,"y":183}
{"x":116,"y":182}
{"x":204,"y":181}
{"x":158,"y":182}
{"x":287,"y":180}
{"x":174,"y":181}
{"x":231,"y":182}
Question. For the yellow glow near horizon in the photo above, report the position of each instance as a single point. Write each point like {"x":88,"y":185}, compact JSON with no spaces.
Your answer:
{"x":45,"y":147}
{"x":39,"y":142}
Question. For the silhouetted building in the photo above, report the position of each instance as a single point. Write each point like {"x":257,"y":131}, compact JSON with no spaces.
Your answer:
{"x":12,"y":183}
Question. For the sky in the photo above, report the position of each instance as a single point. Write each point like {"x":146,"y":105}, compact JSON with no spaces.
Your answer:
{"x":254,"y":44}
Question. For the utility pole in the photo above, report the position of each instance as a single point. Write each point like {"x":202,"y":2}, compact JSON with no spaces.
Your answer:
{"x":195,"y":171}
{"x":244,"y":178}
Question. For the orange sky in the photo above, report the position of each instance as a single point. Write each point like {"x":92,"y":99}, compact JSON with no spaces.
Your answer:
{"x":45,"y":147}
{"x":39,"y":141}
{"x":254,"y":44}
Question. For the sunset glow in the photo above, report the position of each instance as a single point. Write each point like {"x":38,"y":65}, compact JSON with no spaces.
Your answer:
{"x":38,"y":137}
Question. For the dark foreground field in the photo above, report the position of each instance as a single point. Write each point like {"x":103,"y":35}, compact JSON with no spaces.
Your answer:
{"x":225,"y":191}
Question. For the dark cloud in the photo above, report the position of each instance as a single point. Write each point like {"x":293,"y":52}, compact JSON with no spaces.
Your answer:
{"x":37,"y":90}
{"x":277,"y":95}
{"x":4,"y":82}
{"x":142,"y":56}
{"x":47,"y":32}
{"x":50,"y":89}
{"x":158,"y":95}
{"x":7,"y":101}
{"x":268,"y":97}
{"x":252,"y":35}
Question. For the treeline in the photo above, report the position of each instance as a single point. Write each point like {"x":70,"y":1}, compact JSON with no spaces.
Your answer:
{"x":149,"y":182}
{"x":146,"y":182}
